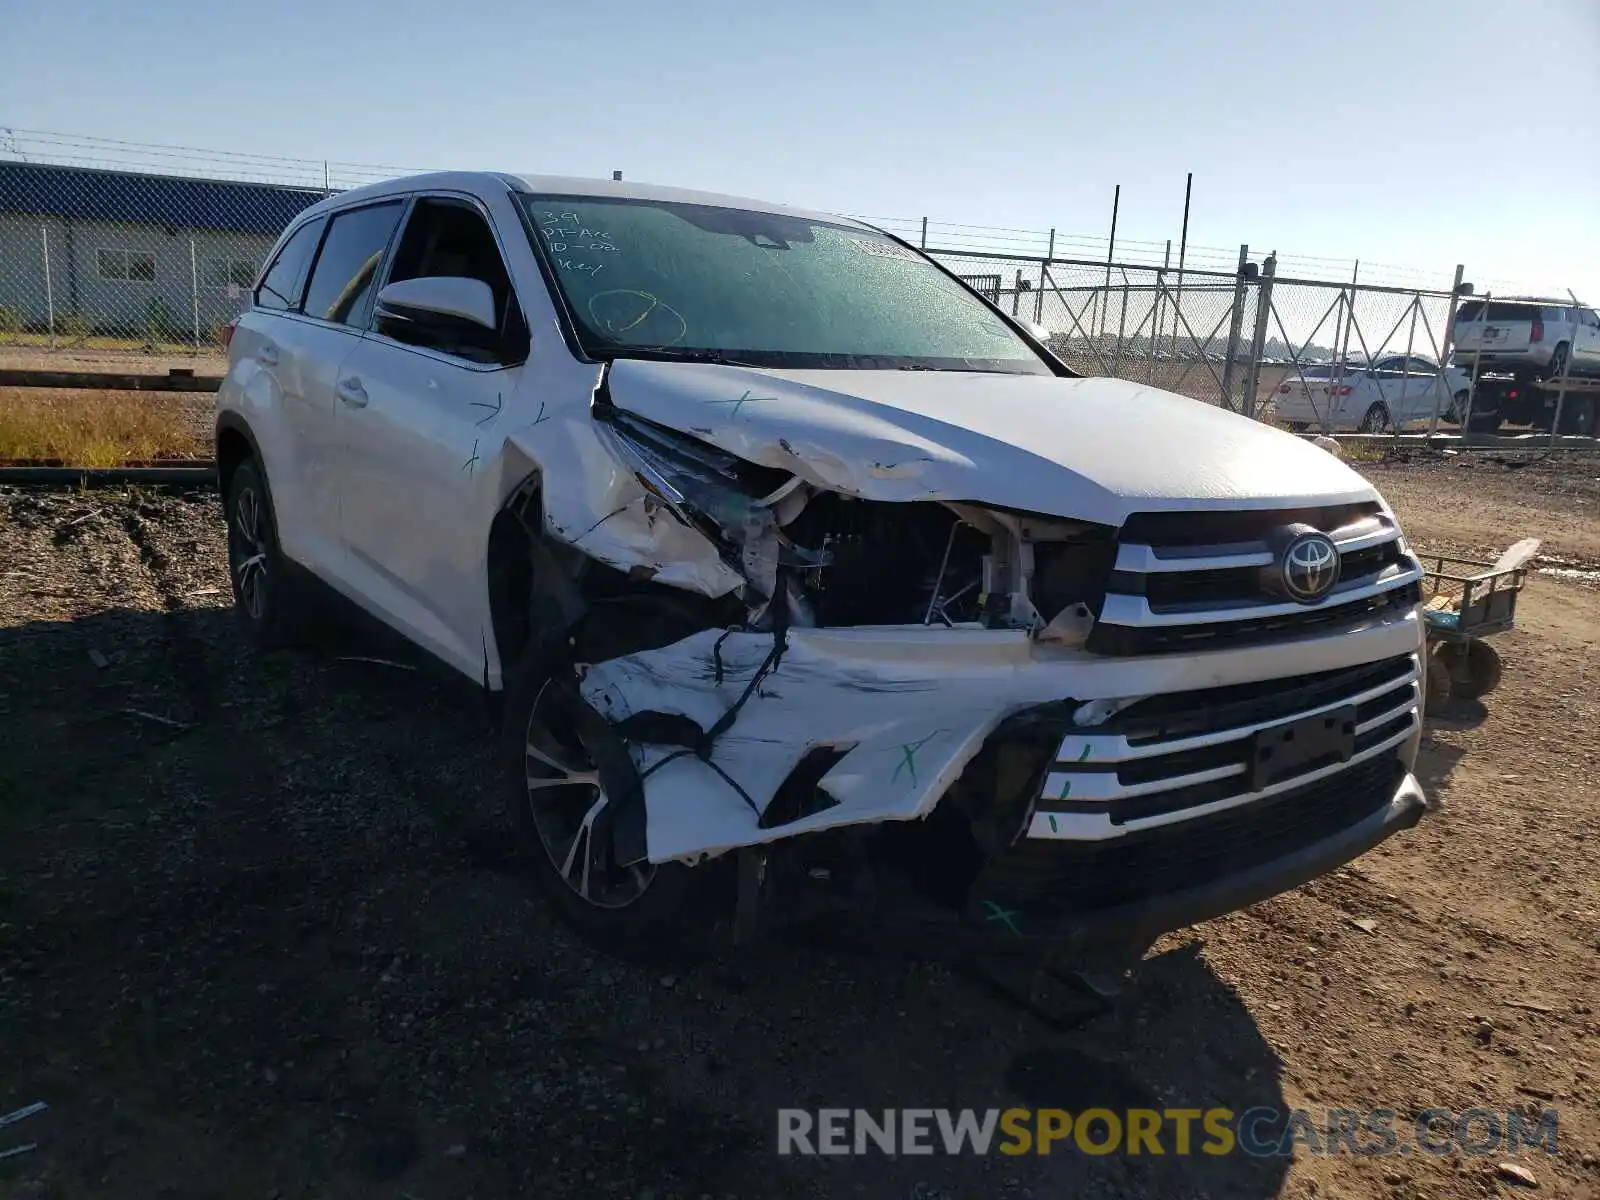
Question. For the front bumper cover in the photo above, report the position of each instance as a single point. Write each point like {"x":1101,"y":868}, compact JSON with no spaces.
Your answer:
{"x":1121,"y":932}
{"x":1164,"y":912}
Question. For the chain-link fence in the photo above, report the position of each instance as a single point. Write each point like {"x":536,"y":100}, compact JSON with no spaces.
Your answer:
{"x":1356,"y":357}
{"x":134,"y":262}
{"x":122,"y":261}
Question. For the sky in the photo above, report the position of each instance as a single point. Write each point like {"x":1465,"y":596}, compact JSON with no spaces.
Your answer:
{"x":1422,"y":133}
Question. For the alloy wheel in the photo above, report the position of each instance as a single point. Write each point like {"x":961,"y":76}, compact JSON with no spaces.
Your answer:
{"x":565,"y":798}
{"x":248,"y":552}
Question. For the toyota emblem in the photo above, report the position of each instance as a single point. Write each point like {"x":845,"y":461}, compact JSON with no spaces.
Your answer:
{"x":1309,"y":567}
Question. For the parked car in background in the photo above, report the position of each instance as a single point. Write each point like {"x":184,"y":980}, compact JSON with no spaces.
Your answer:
{"x":1393,"y":391}
{"x":1530,"y":338}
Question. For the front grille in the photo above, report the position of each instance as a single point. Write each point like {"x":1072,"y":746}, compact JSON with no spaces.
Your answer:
{"x":1085,"y":876}
{"x":1183,"y":751}
{"x":1198,"y":530}
{"x":1125,"y":640}
{"x":1199,"y":580}
{"x":1197,"y":591}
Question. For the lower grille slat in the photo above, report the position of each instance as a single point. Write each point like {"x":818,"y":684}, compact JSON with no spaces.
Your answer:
{"x":1085,"y":876}
{"x":1186,"y":750}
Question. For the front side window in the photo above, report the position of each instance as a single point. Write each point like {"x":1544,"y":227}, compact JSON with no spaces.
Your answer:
{"x":125,"y":266}
{"x":657,"y":279}
{"x":449,"y":237}
{"x":342,"y":280}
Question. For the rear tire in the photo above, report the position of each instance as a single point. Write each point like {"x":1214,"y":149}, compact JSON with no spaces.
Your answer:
{"x":1578,"y":415}
{"x":265,"y":595}
{"x":1375,"y":419}
{"x":553,"y":801}
{"x":1484,"y":422}
{"x":1558,"y":365}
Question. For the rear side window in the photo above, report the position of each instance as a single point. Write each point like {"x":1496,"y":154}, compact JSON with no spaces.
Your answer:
{"x":347,"y":268}
{"x":1499,"y":310}
{"x":280,"y":286}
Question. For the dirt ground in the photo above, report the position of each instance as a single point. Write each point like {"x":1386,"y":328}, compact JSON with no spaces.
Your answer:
{"x":260,"y":935}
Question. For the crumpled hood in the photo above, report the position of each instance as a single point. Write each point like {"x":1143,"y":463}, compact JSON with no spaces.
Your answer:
{"x":1091,"y":449}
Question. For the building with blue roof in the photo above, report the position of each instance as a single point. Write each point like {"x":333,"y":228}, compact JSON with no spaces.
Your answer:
{"x":84,"y":250}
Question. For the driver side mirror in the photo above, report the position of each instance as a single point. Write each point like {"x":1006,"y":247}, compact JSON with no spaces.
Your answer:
{"x":444,"y":312}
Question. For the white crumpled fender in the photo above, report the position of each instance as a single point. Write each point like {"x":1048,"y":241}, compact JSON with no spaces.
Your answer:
{"x":591,"y":500}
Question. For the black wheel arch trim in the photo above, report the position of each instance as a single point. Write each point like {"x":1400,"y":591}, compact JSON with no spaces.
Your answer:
{"x":232,"y":422}
{"x":229,"y":421}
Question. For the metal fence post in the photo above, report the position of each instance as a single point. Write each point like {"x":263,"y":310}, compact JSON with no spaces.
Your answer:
{"x":1561,"y":400}
{"x":1158,"y":318}
{"x":1447,"y":343}
{"x":1411,"y":341}
{"x":49,"y":292}
{"x":1235,"y":327}
{"x":1155,"y":316}
{"x":1472,"y":380}
{"x":1259,"y":341}
{"x":194,"y":290}
{"x":924,"y":233}
{"x":1122,"y":321}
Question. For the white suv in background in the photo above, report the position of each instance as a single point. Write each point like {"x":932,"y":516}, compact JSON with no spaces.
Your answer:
{"x":796,"y":564}
{"x":1530,"y":338}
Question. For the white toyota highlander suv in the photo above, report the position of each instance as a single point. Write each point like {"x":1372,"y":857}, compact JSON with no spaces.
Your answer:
{"x":795,"y":563}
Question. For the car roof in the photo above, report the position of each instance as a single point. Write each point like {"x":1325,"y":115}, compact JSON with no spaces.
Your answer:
{"x":564,"y":185}
{"x":1529,"y":300}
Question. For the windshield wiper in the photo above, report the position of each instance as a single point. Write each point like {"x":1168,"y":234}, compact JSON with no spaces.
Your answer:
{"x":671,"y":354}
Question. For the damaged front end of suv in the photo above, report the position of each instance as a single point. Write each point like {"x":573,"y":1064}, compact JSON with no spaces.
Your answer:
{"x":839,"y":579}
{"x":842,"y":657}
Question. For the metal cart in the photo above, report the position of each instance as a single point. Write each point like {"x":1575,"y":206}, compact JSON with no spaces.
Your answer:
{"x":1464,"y":601}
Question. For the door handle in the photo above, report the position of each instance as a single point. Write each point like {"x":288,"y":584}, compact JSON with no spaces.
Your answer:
{"x":268,"y":355}
{"x":351,"y":392}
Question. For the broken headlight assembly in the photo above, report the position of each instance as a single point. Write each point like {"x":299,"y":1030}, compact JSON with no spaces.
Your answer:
{"x":854,"y":562}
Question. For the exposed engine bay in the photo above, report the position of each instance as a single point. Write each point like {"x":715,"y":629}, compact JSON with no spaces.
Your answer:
{"x":845,"y":561}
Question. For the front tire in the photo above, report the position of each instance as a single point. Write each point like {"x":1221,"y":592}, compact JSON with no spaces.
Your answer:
{"x":554,"y":800}
{"x":264,"y":595}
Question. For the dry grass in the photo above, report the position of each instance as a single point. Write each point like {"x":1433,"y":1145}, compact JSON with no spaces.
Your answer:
{"x":62,"y":343}
{"x":101,"y":429}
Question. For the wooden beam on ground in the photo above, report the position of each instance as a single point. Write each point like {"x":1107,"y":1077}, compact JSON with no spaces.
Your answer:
{"x":110,"y":381}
